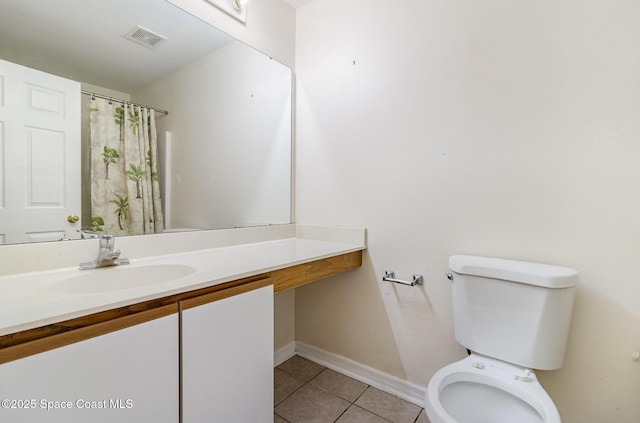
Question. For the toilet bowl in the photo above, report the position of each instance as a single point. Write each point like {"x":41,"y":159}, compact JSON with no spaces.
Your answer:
{"x":481,"y":389}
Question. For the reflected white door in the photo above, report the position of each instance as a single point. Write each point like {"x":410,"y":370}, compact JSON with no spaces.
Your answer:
{"x":40,"y":155}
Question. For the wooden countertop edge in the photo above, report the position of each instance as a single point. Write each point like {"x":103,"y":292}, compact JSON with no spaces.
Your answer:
{"x":33,"y":341}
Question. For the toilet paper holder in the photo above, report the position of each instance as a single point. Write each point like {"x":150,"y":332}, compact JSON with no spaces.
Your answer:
{"x":390,"y":276}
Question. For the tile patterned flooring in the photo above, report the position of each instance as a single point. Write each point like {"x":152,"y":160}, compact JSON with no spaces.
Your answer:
{"x":306,"y":392}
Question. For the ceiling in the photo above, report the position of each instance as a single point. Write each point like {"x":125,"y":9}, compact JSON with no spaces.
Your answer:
{"x":84,"y":40}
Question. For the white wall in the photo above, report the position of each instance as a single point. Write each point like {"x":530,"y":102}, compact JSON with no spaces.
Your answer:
{"x":230,"y":153}
{"x":500,"y":128}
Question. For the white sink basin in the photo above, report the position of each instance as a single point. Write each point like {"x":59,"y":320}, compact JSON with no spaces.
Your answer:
{"x":118,"y":278}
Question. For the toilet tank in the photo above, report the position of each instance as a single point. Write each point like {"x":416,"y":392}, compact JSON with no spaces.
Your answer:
{"x":515,"y":311}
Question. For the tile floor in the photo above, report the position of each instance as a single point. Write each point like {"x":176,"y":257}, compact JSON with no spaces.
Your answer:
{"x":306,"y":392}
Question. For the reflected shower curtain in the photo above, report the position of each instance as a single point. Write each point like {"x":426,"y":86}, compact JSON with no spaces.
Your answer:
{"x":125,"y":194}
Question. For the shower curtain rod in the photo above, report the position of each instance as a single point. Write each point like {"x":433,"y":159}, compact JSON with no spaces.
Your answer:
{"x":164,"y":112}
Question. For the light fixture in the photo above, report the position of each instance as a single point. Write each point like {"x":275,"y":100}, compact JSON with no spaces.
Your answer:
{"x":235,"y":8}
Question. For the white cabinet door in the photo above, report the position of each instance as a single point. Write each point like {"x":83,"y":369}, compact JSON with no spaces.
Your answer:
{"x":227,"y":359}
{"x":130,"y":375}
{"x":39,"y":155}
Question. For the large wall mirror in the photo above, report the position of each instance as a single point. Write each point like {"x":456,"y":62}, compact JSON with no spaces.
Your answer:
{"x":223,"y":157}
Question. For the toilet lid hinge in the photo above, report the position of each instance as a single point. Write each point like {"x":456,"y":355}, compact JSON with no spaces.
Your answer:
{"x":527,"y":376}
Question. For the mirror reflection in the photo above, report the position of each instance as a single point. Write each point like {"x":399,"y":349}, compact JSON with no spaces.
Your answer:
{"x":82,"y":83}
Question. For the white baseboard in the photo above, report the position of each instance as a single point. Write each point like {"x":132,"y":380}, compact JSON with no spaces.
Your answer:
{"x":283,"y":354}
{"x":393,"y":385}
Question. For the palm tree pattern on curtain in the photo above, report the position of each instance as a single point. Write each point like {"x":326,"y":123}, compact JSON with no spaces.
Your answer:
{"x":125,"y":193}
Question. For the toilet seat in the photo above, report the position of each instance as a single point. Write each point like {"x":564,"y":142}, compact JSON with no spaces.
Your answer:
{"x":480,"y":389}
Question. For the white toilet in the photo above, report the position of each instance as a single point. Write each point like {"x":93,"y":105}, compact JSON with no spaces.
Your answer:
{"x":513,"y":317}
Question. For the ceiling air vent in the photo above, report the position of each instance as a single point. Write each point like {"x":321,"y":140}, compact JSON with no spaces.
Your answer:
{"x":145,"y":37}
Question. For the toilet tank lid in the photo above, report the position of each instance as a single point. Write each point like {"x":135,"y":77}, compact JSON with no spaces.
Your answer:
{"x":544,"y":275}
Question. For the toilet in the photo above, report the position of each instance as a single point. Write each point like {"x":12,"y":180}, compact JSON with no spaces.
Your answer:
{"x":513,"y":317}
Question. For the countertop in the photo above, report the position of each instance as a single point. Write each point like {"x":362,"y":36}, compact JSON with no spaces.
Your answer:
{"x":31,"y":300}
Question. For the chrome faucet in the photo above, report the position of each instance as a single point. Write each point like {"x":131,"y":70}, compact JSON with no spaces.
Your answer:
{"x":108,"y":255}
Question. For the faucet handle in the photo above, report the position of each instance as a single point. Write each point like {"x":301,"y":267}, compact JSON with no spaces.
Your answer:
{"x":107,"y":241}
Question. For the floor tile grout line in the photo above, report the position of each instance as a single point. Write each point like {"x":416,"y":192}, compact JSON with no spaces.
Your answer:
{"x":305,"y":381}
{"x":300,"y":380}
{"x":351,"y":403}
{"x":283,"y":399}
{"x":361,"y":394}
{"x":341,"y":414}
{"x":281,"y":417}
{"x":382,"y":417}
{"x":375,"y":414}
{"x":291,"y":393}
{"x":372,"y":412}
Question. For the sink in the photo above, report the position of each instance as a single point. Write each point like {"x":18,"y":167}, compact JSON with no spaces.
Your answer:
{"x":118,"y":278}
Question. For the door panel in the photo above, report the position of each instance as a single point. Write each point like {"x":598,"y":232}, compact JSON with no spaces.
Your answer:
{"x":40,"y":151}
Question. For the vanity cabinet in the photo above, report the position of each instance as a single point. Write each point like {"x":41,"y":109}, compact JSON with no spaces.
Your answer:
{"x":227,"y":355}
{"x":195,"y":356}
{"x":126,"y":371}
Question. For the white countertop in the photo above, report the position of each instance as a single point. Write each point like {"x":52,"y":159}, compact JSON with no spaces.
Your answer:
{"x":28,"y":300}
